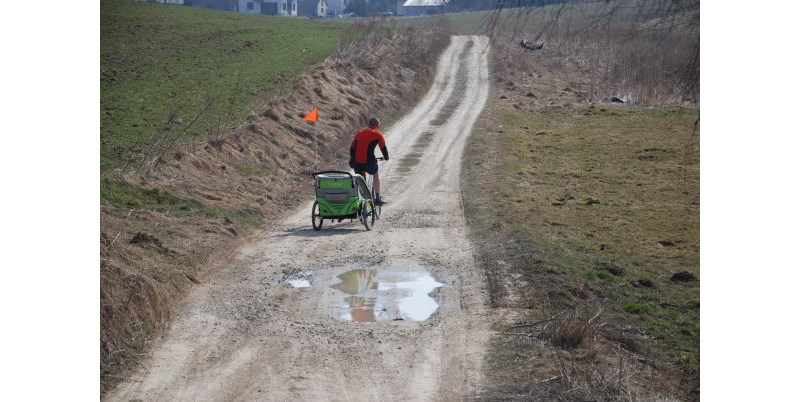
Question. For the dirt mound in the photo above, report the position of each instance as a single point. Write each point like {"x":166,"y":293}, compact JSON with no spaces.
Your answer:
{"x":257,"y":172}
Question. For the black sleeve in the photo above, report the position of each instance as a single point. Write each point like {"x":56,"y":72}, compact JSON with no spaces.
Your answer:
{"x":385,"y":152}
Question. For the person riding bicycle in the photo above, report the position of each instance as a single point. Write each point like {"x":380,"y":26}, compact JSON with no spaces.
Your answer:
{"x":362,"y":154}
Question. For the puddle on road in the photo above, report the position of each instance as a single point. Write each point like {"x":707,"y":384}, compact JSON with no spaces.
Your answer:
{"x":385,"y":296}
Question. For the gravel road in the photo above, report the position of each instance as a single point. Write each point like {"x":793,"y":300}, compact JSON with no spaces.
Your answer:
{"x":397,"y":313}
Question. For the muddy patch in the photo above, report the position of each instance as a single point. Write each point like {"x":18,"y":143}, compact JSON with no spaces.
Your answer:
{"x":654,"y":154}
{"x":372,"y":295}
{"x":423,"y":141}
{"x":683,"y":276}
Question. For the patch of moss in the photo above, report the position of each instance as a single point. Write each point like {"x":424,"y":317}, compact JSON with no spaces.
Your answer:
{"x":636,"y":308}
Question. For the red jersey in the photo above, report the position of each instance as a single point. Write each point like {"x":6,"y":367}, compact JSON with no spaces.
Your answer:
{"x":362,"y":149}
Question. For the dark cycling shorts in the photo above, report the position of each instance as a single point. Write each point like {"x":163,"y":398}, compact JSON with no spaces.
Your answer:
{"x":370,"y":168}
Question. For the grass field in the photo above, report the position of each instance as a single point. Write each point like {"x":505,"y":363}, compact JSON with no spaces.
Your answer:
{"x":599,"y":205}
{"x":612,"y":195}
{"x":174,"y":71}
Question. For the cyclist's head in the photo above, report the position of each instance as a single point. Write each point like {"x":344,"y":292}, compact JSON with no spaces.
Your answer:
{"x":374,"y":122}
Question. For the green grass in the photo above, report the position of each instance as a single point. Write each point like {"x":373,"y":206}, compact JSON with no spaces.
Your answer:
{"x":636,"y":308}
{"x":172,"y":63}
{"x":154,"y":199}
{"x":251,"y":169}
{"x":611,"y":183}
{"x":130,"y":196}
{"x":609,"y":196}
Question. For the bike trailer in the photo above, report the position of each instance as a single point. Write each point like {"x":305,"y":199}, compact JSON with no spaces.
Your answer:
{"x":337,"y":194}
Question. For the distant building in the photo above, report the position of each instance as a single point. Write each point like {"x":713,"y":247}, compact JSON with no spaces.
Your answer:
{"x":336,"y":7}
{"x":164,"y":1}
{"x":267,"y":7}
{"x":227,"y":5}
{"x":421,"y":7}
{"x":313,"y":8}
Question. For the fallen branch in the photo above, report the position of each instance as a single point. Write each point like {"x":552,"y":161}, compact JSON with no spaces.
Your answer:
{"x":515,"y":333}
{"x":551,"y":379}
{"x":113,"y":241}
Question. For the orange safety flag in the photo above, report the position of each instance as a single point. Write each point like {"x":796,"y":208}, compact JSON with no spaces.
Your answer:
{"x":311,"y":116}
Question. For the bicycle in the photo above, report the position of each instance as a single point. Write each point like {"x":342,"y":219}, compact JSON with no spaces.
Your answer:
{"x":371,"y":189}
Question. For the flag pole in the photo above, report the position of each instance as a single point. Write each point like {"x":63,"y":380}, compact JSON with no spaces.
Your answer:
{"x":316,"y":130}
{"x":312,"y":117}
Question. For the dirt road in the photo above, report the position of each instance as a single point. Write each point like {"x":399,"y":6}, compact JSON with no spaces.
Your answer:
{"x":344,"y":314}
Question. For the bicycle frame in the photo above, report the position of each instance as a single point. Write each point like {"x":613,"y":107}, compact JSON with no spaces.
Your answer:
{"x":368,"y":182}
{"x":367,"y":179}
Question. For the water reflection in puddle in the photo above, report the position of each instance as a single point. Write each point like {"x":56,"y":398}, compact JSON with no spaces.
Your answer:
{"x":386,"y":296}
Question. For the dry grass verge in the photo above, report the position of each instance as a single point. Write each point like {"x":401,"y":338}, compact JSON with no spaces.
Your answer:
{"x":568,"y":357}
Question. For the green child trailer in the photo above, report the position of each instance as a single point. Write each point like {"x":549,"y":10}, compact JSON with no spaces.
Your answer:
{"x":342,"y":195}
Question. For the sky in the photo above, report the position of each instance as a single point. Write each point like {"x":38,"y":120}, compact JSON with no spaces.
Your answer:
{"x":49,"y":290}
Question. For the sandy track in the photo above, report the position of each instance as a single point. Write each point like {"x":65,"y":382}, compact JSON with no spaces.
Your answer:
{"x":246,"y":335}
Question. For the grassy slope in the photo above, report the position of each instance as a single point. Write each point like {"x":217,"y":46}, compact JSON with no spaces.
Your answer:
{"x":157,"y":61}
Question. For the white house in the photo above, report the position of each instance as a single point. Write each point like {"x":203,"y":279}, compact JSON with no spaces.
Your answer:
{"x":421,"y":7}
{"x":268,"y":7}
{"x":312,"y":8}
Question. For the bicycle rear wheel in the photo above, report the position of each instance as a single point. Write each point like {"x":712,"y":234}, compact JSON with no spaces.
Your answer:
{"x":368,"y":214}
{"x":316,"y":217}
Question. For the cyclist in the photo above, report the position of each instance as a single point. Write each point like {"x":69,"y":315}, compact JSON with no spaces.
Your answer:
{"x":362,"y":154}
